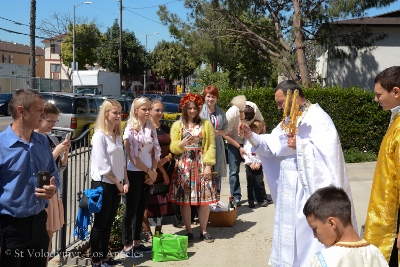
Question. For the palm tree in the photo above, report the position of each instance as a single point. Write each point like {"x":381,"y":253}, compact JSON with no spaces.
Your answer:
{"x":32,"y":26}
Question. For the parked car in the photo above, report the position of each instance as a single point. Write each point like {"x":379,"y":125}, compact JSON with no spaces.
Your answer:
{"x":172,"y":103}
{"x":4,"y":100}
{"x":151,"y":96}
{"x":126,"y":104}
{"x":78,"y":112}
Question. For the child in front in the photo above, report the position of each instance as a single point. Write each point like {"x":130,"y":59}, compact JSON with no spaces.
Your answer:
{"x":328,"y":212}
{"x":254,"y":172}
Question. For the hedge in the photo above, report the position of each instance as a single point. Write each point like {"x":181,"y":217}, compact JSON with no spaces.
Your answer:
{"x":360,"y":122}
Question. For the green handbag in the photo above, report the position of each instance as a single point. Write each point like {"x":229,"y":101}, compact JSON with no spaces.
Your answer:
{"x":169,"y":247}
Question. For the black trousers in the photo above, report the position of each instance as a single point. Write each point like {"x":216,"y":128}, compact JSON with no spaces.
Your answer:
{"x":103,"y":220}
{"x":135,"y":204}
{"x":393,"y":261}
{"x":25,"y":240}
{"x":255,"y":183}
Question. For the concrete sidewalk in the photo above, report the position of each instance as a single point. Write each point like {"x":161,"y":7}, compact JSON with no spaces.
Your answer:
{"x":248,"y":242}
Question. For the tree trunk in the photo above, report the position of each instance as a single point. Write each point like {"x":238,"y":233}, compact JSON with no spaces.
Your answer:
{"x":32,"y":27}
{"x":300,"y":44}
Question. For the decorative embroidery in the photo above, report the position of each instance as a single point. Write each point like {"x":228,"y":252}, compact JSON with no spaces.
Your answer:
{"x":362,"y":243}
{"x":137,"y":139}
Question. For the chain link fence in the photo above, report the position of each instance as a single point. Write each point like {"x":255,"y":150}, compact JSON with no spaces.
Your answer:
{"x":10,"y":83}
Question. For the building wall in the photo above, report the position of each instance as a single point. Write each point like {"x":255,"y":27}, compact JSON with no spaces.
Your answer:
{"x":363,"y":70}
{"x":17,"y":58}
{"x":54,"y":68}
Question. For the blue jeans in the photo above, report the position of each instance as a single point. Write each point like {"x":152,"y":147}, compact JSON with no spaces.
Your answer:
{"x":234,"y":160}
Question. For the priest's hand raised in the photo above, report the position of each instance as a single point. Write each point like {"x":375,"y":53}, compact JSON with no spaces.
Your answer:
{"x":244,"y":130}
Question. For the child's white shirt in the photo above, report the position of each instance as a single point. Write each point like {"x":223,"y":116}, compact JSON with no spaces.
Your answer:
{"x":250,"y":157}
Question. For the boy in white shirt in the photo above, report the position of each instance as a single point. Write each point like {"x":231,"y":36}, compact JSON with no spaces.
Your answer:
{"x":254,"y":172}
{"x":328,"y":212}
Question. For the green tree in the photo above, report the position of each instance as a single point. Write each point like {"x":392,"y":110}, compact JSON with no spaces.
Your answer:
{"x":133,"y":53}
{"x":87,"y":39}
{"x":278,"y":31}
{"x":172,"y":60}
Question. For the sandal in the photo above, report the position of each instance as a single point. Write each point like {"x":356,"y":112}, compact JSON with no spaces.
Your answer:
{"x":149,"y":237}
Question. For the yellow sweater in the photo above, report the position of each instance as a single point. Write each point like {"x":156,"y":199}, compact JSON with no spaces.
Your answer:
{"x":208,"y":142}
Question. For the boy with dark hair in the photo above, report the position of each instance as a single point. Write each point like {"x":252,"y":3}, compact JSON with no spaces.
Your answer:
{"x":328,"y":212}
{"x":382,"y":225}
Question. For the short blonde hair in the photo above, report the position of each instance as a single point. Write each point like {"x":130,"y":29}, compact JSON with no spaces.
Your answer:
{"x":101,"y":122}
{"x":257,"y":124}
{"x":133,"y":121}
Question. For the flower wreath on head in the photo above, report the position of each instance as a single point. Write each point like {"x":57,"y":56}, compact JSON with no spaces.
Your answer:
{"x":191,"y":97}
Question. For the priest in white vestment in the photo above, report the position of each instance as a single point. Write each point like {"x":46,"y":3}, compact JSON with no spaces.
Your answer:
{"x":295,"y":167}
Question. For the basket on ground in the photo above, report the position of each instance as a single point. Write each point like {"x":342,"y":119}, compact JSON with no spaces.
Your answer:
{"x":223,"y":218}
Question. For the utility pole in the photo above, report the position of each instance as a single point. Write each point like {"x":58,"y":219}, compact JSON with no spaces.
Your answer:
{"x":120,"y":42}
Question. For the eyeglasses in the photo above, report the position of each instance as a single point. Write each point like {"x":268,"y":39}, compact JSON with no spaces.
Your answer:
{"x":52,"y":122}
{"x":159,"y":110}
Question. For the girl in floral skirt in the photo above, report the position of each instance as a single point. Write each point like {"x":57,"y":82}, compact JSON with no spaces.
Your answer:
{"x":192,"y":139}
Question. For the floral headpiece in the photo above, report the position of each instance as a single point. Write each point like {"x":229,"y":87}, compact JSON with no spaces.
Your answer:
{"x":191,"y":97}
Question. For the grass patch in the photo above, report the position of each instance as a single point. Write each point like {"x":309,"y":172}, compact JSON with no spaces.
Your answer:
{"x":352,"y":156}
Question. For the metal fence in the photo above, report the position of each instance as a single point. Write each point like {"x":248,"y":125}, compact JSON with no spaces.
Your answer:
{"x":76,"y":178}
{"x":10,"y":83}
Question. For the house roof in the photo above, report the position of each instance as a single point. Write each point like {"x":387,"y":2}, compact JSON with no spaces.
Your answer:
{"x":387,"y":19}
{"x":19,"y":48}
{"x":55,"y":38}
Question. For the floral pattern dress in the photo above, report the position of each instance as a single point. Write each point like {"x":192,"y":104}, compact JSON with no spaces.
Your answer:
{"x":189,"y":187}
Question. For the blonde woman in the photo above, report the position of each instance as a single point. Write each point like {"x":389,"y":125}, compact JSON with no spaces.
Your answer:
{"x":107,"y":170}
{"x":143,"y":150}
{"x":159,"y":211}
{"x":192,"y":139}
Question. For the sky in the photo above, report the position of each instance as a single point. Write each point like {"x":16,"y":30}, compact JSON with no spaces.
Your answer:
{"x":139,"y":16}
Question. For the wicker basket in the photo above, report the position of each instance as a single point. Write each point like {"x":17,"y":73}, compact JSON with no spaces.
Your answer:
{"x":223,"y":218}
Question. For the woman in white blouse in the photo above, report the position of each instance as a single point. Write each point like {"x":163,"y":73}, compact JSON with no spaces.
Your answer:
{"x":143,"y":150}
{"x":107,"y":170}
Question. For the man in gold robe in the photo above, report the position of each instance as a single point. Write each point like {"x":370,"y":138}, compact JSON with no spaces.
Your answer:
{"x":381,"y":228}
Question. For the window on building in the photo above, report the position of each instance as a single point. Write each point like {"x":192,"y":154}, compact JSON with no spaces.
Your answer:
{"x":54,"y":67}
{"x":3,"y":58}
{"x":54,"y":49}
{"x":10,"y":59}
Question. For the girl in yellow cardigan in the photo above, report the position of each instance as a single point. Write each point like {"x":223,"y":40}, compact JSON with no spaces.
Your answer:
{"x":192,"y":140}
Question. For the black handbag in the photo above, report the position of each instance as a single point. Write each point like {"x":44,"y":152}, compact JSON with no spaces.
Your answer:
{"x":84,"y":203}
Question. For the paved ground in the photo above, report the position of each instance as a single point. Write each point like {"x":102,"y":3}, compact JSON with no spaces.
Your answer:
{"x":248,"y":242}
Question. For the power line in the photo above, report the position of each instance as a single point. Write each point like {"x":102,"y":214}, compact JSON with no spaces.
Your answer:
{"x":144,"y":17}
{"x":10,"y":31}
{"x":23,"y":24}
{"x":154,"y":6}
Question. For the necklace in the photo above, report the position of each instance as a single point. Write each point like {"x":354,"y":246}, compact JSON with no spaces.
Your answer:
{"x":303,"y":109}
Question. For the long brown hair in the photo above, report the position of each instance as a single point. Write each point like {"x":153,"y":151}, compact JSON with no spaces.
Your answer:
{"x":185,"y":116}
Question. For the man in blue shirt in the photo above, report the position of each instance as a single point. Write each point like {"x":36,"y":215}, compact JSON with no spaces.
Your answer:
{"x":23,"y":153}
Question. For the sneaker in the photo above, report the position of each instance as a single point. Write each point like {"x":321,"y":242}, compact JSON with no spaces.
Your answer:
{"x":190,"y":237}
{"x":251,"y":204}
{"x":142,"y":249}
{"x":207,"y":237}
{"x":180,"y":224}
{"x":264,"y":204}
{"x":132,"y":254}
{"x":236,"y":202}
